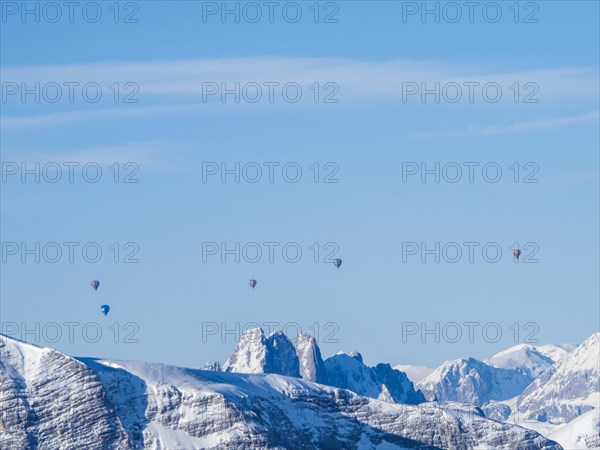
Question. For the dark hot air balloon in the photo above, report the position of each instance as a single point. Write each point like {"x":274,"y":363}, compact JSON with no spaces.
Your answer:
{"x":105,"y":309}
{"x":95,"y":284}
{"x":337,"y":263}
{"x":252,"y":283}
{"x":517,"y":253}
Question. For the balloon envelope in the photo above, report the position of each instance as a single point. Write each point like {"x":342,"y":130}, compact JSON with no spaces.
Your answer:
{"x":95,"y":284}
{"x":252,"y":283}
{"x":517,"y":253}
{"x":337,"y":263}
{"x":105,"y":309}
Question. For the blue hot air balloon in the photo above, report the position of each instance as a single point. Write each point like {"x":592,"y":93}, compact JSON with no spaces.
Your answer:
{"x":105,"y":309}
{"x":337,"y":263}
{"x":252,"y":283}
{"x":95,"y":284}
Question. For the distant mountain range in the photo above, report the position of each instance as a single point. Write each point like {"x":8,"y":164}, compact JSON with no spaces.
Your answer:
{"x":275,"y":394}
{"x":501,"y":377}
{"x":524,"y":384}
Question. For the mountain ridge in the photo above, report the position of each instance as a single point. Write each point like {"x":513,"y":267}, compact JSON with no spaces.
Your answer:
{"x":130,"y":405}
{"x":254,"y":352}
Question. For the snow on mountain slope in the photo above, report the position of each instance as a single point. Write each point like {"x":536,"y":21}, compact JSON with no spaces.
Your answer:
{"x":554,"y":351}
{"x":566,"y":390}
{"x":312,"y":367}
{"x":51,"y":401}
{"x":276,"y":354}
{"x":414,"y":373}
{"x":45,"y":396}
{"x":197,"y":409}
{"x":469,"y":380}
{"x":514,"y":354}
{"x":496,"y":410}
{"x":581,"y":433}
{"x":528,"y":359}
{"x":256,"y":353}
{"x":524,"y":358}
{"x":348,"y":371}
{"x":250,"y":354}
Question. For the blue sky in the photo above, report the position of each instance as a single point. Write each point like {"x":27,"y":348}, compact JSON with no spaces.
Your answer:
{"x":369,"y":213}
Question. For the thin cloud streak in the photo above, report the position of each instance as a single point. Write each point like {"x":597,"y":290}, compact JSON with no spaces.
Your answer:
{"x":176,"y":87}
{"x":495,"y":130}
{"x":27,"y":121}
{"x":149,"y":155}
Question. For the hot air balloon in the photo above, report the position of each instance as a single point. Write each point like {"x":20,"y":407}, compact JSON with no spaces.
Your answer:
{"x":252,"y":283}
{"x":105,"y":309}
{"x":517,"y":253}
{"x":337,"y":263}
{"x":95,"y":284}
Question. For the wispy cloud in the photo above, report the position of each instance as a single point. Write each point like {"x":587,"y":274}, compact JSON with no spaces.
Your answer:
{"x":65,"y":117}
{"x":369,"y":78}
{"x":494,"y":130}
{"x":149,"y":155}
{"x":176,"y":87}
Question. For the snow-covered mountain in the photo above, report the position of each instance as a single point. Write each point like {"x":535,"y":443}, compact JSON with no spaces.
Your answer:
{"x":524,"y":358}
{"x":533,"y":359}
{"x":276,"y":354}
{"x":471,"y":381}
{"x":556,"y":352}
{"x":256,"y":353}
{"x":52,"y":401}
{"x":348,"y":371}
{"x":312,"y":367}
{"x":554,"y":383}
{"x":250,"y":354}
{"x":485,"y":383}
{"x":566,"y":390}
{"x":563,"y":403}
